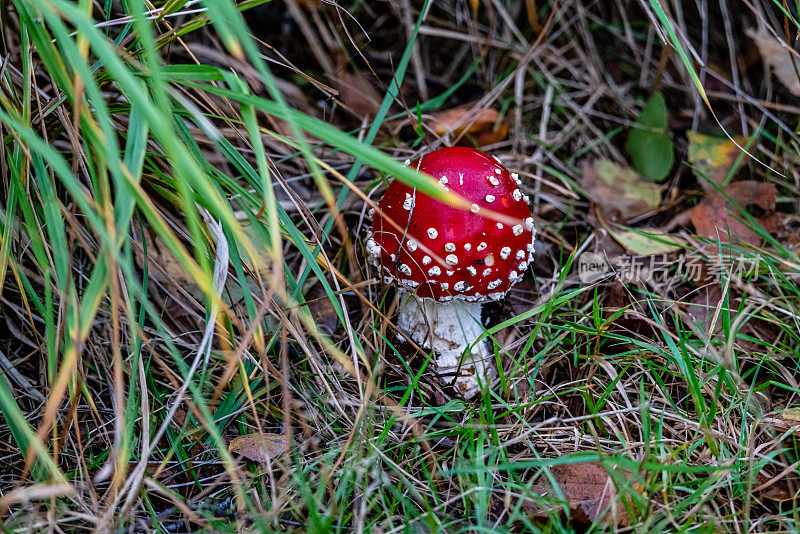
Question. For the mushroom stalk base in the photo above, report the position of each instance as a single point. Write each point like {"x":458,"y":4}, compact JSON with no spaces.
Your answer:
{"x":449,"y":328}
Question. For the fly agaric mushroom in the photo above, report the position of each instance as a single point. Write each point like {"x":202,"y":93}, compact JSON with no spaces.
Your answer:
{"x":448,"y":261}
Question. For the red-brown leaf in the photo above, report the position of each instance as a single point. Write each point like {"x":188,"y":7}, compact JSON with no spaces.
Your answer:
{"x":715,"y":214}
{"x":590,"y":491}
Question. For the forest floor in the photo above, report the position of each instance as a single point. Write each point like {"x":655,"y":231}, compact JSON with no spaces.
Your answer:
{"x":193,"y":339}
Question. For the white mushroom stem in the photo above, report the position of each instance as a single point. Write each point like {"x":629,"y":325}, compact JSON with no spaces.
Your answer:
{"x":449,"y":328}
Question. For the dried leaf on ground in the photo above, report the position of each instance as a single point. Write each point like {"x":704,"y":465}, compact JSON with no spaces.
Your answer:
{"x":356,"y":91}
{"x":590,"y":491}
{"x":164,"y":266}
{"x":647,"y":241}
{"x":321,"y":309}
{"x":781,"y":60}
{"x":780,"y":488}
{"x":466,"y":125}
{"x":715,"y":214}
{"x":713,"y":158}
{"x":619,"y":191}
{"x":703,"y":305}
{"x":787,"y":419}
{"x":258,"y":447}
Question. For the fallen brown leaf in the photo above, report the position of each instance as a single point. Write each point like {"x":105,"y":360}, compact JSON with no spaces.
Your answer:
{"x":619,"y":191}
{"x":357,"y":93}
{"x":321,"y":309}
{"x":590,"y":491}
{"x":261,"y":448}
{"x":715,"y":214}
{"x":466,"y":125}
{"x":781,"y":60}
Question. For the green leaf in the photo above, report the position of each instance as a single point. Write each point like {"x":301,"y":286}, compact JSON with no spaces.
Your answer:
{"x":649,"y":144}
{"x":715,"y":160}
{"x":646,"y":242}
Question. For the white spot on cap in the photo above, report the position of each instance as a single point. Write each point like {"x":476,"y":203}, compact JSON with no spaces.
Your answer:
{"x":460,"y":285}
{"x":489,"y":260}
{"x":494,"y":181}
{"x":515,"y":176}
{"x":487,"y":272}
{"x":461,"y":178}
{"x":517,"y":229}
{"x":520,"y":254}
{"x":408,"y":203}
{"x":467,"y":246}
{"x":505,"y":252}
{"x":472,"y":271}
{"x":499,"y":226}
{"x":434,"y":271}
{"x":517,"y":194}
{"x":411,"y":245}
{"x":426,"y":260}
{"x":445,"y":286}
{"x":405,"y":269}
{"x":493,"y":284}
{"x":513,"y":275}
{"x":526,"y":198}
{"x":489,"y":198}
{"x":529,"y":246}
{"x":432,"y":233}
{"x":474,"y":208}
{"x":450,"y":247}
{"x":373,"y":248}
{"x":371,"y":213}
{"x":498,"y":171}
{"x":529,"y":224}
{"x":450,"y":273}
{"x":393,"y":257}
{"x":451,"y":259}
{"x":482,"y":246}
{"x":407,"y":162}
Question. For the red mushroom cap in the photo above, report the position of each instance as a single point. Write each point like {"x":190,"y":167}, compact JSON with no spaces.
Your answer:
{"x":447,"y":252}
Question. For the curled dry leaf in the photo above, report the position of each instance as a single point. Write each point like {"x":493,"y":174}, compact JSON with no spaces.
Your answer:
{"x":258,"y":447}
{"x":466,"y":125}
{"x":713,"y":158}
{"x":590,"y":491}
{"x":619,"y":191}
{"x":715,"y":215}
{"x":779,"y":57}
